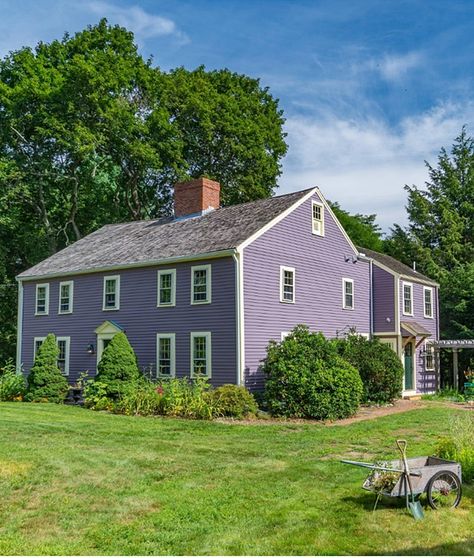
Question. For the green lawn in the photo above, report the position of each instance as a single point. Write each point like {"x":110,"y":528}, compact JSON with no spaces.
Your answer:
{"x":73,"y":481}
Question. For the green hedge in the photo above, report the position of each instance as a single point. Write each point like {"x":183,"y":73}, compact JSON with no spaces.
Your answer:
{"x":379,"y":367}
{"x":306,"y":377}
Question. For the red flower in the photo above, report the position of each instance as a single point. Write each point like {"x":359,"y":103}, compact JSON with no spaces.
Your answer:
{"x":160,"y":390}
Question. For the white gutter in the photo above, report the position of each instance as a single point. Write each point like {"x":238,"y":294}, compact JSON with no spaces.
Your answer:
{"x":165,"y":261}
{"x":19,"y":327}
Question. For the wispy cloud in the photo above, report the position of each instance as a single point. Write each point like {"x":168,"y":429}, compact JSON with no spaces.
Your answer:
{"x":395,"y":67}
{"x":365,"y":163}
{"x":144,"y":25}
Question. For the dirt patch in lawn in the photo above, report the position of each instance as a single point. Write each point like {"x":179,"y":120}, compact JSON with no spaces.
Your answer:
{"x":364,"y":413}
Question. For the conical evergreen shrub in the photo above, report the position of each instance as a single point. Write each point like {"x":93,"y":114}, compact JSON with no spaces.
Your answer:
{"x":45,"y":381}
{"x":118,"y":365}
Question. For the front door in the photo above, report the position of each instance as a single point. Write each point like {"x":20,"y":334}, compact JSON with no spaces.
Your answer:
{"x":409,"y":366}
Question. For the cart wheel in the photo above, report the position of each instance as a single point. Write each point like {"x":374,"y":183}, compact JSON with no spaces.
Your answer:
{"x":444,"y":490}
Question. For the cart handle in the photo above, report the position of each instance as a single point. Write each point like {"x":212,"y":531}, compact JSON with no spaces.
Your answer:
{"x":379,"y":467}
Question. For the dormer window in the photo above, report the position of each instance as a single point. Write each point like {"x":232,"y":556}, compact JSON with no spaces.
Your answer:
{"x":317,"y":218}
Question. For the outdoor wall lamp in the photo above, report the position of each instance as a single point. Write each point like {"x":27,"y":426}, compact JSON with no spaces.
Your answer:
{"x":90,"y":349}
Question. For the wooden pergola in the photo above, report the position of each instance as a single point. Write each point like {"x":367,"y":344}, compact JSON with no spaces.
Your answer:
{"x":455,"y":345}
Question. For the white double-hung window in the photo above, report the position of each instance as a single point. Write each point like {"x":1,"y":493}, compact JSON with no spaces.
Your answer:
{"x":407,"y":298}
{"x":348,"y":294}
{"x":42,"y":299}
{"x":201,"y":354}
{"x":111,"y":298}
{"x":66,"y":293}
{"x":166,"y":355}
{"x":166,"y":287}
{"x":287,"y":284}
{"x":200,"y":284}
{"x":317,"y":215}
{"x":428,"y":302}
{"x":429,"y":356}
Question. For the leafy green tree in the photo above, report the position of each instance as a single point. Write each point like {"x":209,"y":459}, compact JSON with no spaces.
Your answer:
{"x":118,"y":365}
{"x":45,"y":381}
{"x":362,"y":229}
{"x":440,"y":234}
{"x":91,"y":133}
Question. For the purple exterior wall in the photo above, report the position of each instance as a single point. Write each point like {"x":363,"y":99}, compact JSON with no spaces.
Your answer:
{"x":320,"y":266}
{"x":425,"y":380}
{"x":384,"y":300}
{"x":140,"y":318}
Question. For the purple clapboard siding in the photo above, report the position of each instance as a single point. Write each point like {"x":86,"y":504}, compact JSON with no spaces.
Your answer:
{"x":320,"y":266}
{"x":140,"y":318}
{"x":425,"y":379}
{"x":384,"y":300}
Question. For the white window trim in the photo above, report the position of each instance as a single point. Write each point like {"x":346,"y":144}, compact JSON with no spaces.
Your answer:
{"x":430,"y":289}
{"x":46,"y":304}
{"x":35,"y":340}
{"x":284,"y":268}
{"x":208,"y":300}
{"x":68,"y":347}
{"x":71,"y":297}
{"x":171,"y":272}
{"x":317,"y":233}
{"x":206,"y":334}
{"x":344,"y":281}
{"x":406,"y":284}
{"x":117,"y":293}
{"x":172,"y":337}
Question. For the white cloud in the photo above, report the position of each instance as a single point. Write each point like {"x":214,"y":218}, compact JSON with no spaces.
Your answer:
{"x":364,"y":164}
{"x":393,"y":68}
{"x":143,"y":24}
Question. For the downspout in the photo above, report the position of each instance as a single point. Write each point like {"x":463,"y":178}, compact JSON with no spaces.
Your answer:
{"x":19,"y":327}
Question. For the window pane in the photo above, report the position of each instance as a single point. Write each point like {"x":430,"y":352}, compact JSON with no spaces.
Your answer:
{"x":41,"y":300}
{"x":65,"y":298}
{"x":62,"y":355}
{"x":428,"y":305}
{"x":407,"y":299}
{"x":200,"y":355}
{"x":110,"y":289}
{"x":288,"y":285}
{"x":348,"y":294}
{"x":166,"y":285}
{"x":200,"y":285}
{"x":164,"y":356}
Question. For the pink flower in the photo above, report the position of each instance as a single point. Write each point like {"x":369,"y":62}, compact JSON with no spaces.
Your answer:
{"x":159,"y":390}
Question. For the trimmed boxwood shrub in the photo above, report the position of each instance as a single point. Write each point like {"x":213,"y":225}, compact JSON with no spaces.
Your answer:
{"x":234,"y":401}
{"x":306,"y":377}
{"x":45,"y":381}
{"x":118,"y":366}
{"x":379,"y":367}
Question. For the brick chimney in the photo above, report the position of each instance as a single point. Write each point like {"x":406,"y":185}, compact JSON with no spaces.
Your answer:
{"x":196,"y":196}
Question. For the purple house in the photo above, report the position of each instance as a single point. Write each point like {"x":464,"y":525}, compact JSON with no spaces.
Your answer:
{"x":406,"y":316}
{"x":204,"y":292}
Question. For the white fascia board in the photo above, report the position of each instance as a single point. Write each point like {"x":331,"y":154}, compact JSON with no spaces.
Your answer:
{"x":111,"y":268}
{"x":276,"y":220}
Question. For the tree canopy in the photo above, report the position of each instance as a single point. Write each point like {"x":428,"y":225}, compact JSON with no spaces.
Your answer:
{"x":91,"y":133}
{"x":362,"y":229}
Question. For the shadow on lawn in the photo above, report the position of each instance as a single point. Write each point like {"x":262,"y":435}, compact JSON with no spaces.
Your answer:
{"x":463,"y":548}
{"x":367,"y":501}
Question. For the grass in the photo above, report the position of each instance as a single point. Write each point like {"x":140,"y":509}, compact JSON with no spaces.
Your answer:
{"x":74,"y":481}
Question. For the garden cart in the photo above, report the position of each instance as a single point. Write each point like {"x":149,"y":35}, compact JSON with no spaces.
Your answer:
{"x":439,"y":478}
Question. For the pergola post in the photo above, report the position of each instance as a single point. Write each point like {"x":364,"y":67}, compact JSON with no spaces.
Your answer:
{"x":456,"y":369}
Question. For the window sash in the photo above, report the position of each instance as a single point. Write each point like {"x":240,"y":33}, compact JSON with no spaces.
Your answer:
{"x":201,"y":284}
{"x":42,"y":299}
{"x":201,"y":354}
{"x":164,"y":356}
{"x":317,"y":218}
{"x":430,"y":357}
{"x":166,"y":288}
{"x":287,"y":284}
{"x":62,"y":357}
{"x":65,"y":298}
{"x":348,"y":294}
{"x":428,"y":301}
{"x":111,"y":290}
{"x":407,"y":299}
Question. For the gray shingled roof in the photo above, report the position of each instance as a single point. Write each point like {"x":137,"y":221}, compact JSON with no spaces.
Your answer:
{"x":394,"y":265}
{"x":152,"y":241}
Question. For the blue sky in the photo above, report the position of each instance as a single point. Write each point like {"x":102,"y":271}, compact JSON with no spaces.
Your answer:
{"x":370,"y":89}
